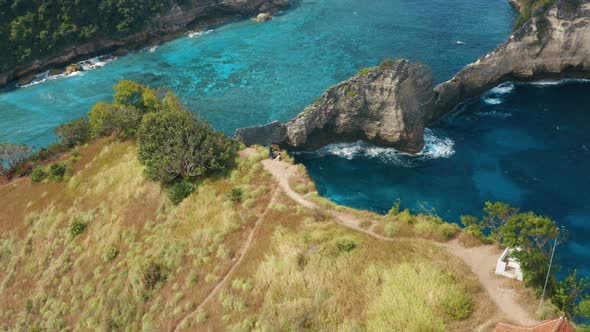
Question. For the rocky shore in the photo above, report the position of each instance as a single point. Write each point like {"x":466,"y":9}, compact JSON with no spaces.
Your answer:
{"x":390,"y":105}
{"x":196,"y":14}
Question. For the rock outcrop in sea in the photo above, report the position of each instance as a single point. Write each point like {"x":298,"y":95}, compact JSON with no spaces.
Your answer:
{"x":391,"y":105}
{"x":385,"y":105}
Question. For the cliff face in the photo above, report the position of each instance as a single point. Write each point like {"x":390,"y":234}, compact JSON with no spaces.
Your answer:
{"x":165,"y":26}
{"x":554,"y":45}
{"x":391,"y":107}
{"x":385,"y":105}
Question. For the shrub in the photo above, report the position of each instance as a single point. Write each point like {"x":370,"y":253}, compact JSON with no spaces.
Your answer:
{"x":74,"y":132}
{"x":395,"y":208}
{"x":387,"y":64}
{"x":152,"y":275}
{"x":12,"y":156}
{"x":447,"y":231}
{"x":57,"y":171}
{"x":39,"y":174}
{"x":406,"y":216}
{"x":365,"y":71}
{"x":175,"y":144}
{"x":236,"y":194}
{"x":111,"y":254}
{"x":107,"y":119}
{"x":77,"y":227}
{"x":180,"y":190}
{"x":457,"y":305}
{"x":390,"y":229}
{"x":345,"y":244}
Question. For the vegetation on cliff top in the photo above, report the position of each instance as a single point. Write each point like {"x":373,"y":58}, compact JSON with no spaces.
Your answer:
{"x":30,"y":29}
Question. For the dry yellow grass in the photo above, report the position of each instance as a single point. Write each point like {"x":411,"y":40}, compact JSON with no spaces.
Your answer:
{"x":302,"y":272}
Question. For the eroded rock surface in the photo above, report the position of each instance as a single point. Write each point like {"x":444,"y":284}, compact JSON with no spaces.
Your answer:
{"x":550,"y":46}
{"x":385,"y":105}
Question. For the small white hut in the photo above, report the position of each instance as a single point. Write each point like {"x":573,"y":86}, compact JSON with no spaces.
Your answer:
{"x":509,"y":267}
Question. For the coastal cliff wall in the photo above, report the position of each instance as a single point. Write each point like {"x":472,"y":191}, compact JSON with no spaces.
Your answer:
{"x":551,"y":46}
{"x":391,"y":107}
{"x":384,"y":105}
{"x":162,"y":27}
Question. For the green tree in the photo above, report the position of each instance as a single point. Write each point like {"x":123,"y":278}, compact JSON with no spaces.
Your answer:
{"x":74,"y":132}
{"x":12,"y":156}
{"x":129,"y":93}
{"x":569,"y":292}
{"x":175,"y":144}
{"x":119,"y":120}
{"x":533,"y":235}
{"x":498,"y":213}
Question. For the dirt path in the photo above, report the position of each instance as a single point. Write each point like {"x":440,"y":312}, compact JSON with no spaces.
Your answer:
{"x":481,"y":260}
{"x":242,"y":253}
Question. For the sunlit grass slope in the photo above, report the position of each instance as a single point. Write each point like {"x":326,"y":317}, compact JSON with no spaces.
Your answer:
{"x":105,"y":249}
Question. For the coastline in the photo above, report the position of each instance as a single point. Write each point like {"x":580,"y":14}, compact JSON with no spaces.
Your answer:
{"x":167,"y":27}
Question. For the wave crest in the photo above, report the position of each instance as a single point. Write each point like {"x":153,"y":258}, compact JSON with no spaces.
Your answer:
{"x":436,"y":145}
{"x":494,"y":96}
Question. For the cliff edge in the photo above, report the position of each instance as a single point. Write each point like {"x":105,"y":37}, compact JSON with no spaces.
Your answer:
{"x":384,"y":105}
{"x":391,"y":105}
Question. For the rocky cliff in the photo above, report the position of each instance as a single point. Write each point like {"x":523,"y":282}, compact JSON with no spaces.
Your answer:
{"x":385,"y":105}
{"x":554,"y":44}
{"x":165,"y":26}
{"x":392,"y":106}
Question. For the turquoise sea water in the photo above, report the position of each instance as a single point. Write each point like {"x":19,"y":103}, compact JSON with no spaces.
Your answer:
{"x":247,"y":73}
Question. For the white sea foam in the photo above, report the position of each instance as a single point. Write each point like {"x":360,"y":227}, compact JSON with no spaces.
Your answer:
{"x":96,"y":62}
{"x":494,"y":96}
{"x":503,"y":88}
{"x":195,"y":34}
{"x":436,"y":146}
{"x":544,"y":83}
{"x":494,"y":114}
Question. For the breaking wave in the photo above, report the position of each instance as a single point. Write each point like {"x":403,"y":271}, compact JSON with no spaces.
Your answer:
{"x":96,"y":62}
{"x":494,"y":96}
{"x":195,"y":34}
{"x":548,"y":83}
{"x":436,"y":145}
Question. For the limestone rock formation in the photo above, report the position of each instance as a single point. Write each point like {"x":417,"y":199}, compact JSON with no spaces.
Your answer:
{"x":552,"y":45}
{"x":386,"y":105}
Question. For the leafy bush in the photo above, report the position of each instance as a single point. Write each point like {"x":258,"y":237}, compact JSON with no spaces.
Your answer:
{"x":57,"y":171}
{"x":39,"y":174}
{"x":152,"y":275}
{"x":387,"y":64}
{"x":111,"y":254}
{"x":107,"y":119}
{"x":390,"y":229}
{"x":175,"y":144}
{"x":74,"y":132}
{"x":406,"y":217}
{"x":77,"y":227}
{"x":180,"y":190}
{"x":236,"y":194}
{"x":345,"y":244}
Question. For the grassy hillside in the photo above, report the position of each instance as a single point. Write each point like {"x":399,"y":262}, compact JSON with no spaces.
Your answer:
{"x":105,"y":249}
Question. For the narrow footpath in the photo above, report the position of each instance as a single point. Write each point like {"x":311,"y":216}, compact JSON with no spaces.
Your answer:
{"x":481,"y":260}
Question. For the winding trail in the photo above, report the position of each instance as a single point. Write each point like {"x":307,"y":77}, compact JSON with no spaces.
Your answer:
{"x":481,"y":260}
{"x":242,"y":253}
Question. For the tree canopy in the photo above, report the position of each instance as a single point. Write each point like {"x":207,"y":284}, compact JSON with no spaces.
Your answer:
{"x":30,"y":29}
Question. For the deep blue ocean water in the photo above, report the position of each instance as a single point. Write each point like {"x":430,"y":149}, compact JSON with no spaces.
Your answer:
{"x":248,"y":73}
{"x":524,"y":144}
